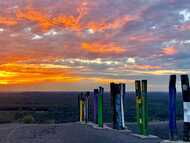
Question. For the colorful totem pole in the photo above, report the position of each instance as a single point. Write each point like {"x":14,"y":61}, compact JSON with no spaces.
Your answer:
{"x":139,"y":115}
{"x":117,"y":107}
{"x":86,"y":112}
{"x":81,"y":107}
{"x":100,"y":106}
{"x":141,"y":106}
{"x":122,"y":96}
{"x":84,"y":106}
{"x":172,"y":108}
{"x":95,"y":103}
{"x":186,"y":106}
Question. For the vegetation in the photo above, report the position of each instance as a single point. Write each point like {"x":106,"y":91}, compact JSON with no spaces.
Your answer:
{"x":28,"y":119}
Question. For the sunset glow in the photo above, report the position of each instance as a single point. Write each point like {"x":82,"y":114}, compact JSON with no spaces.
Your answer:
{"x":64,"y":45}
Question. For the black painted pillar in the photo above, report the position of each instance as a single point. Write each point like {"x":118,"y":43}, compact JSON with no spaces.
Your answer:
{"x":117,"y":107}
{"x":186,"y":106}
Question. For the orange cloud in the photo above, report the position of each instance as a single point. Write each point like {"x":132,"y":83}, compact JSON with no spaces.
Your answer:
{"x":169,"y":51}
{"x":30,"y":73}
{"x":46,"y":22}
{"x":29,"y":56}
{"x":68,"y":22}
{"x":72,"y":22}
{"x":35,"y":16}
{"x":116,"y":24}
{"x":8,"y":21}
{"x":100,"y":48}
{"x":13,"y":58}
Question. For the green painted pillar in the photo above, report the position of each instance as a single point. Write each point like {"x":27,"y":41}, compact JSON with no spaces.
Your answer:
{"x":100,"y":107}
{"x":139,"y":106}
{"x":145,"y":107}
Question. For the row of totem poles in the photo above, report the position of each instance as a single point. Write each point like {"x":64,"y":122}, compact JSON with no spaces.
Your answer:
{"x":117,"y":93}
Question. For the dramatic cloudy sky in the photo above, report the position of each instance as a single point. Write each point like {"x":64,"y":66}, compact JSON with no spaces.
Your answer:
{"x":81,"y":44}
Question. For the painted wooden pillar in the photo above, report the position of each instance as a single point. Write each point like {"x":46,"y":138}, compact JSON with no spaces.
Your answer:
{"x":95,"y":103}
{"x":87,"y":106}
{"x":113,"y":109}
{"x":186,"y":106}
{"x":145,"y":107}
{"x":122,"y":97}
{"x":172,"y":108}
{"x":117,"y":98}
{"x":139,"y":104}
{"x":118,"y":107}
{"x":81,"y":102}
{"x":100,"y":107}
{"x":79,"y":105}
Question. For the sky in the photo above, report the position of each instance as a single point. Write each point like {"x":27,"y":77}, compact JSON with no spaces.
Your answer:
{"x":72,"y":45}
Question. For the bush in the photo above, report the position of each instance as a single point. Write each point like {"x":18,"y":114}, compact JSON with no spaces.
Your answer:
{"x":7,"y":116}
{"x":28,"y":119}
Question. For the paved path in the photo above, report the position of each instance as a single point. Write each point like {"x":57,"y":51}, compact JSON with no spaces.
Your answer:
{"x":66,"y":133}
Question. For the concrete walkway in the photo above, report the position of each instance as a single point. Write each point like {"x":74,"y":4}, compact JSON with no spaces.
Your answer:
{"x":66,"y":133}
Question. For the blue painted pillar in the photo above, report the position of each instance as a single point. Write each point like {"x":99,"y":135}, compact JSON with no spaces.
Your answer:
{"x":172,"y":108}
{"x":95,"y":103}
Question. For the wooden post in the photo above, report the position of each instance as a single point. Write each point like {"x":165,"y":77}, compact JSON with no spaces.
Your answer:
{"x":139,"y":109}
{"x":81,"y":108}
{"x":172,"y":108}
{"x":100,"y":107}
{"x":117,"y":98}
{"x":186,"y":106}
{"x":87,"y":106}
{"x":79,"y":105}
{"x":145,"y":107}
{"x":118,"y":107}
{"x":113,"y":110}
{"x":95,"y":103}
{"x":122,"y":96}
{"x":142,"y":106}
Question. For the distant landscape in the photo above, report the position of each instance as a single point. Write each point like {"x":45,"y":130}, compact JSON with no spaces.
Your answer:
{"x":61,"y":107}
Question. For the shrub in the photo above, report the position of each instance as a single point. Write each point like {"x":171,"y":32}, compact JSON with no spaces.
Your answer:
{"x":28,"y":119}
